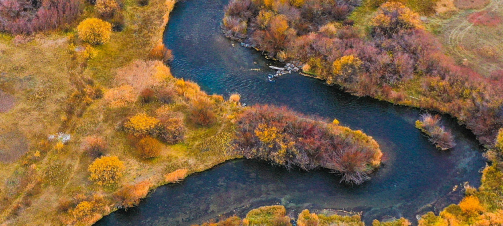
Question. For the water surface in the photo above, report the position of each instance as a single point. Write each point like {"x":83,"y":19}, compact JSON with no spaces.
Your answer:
{"x":416,"y":177}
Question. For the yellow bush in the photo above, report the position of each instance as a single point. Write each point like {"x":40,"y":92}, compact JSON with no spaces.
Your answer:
{"x":499,"y":141}
{"x":235,"y":98}
{"x":141,"y":124}
{"x":346,"y":64}
{"x":106,"y":170}
{"x":307,"y":219}
{"x":267,"y":135}
{"x":392,"y":11}
{"x":471,"y":205}
{"x":83,"y":211}
{"x":94,"y":31}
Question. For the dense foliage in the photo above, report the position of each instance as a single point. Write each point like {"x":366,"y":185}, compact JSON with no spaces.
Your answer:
{"x":430,"y":125}
{"x":106,"y":170}
{"x":94,"y":31}
{"x":290,"y":139}
{"x":29,"y":16}
{"x":396,"y":59}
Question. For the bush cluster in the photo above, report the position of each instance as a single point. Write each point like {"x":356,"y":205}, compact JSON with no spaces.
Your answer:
{"x":141,"y":125}
{"x":288,"y":138}
{"x":29,"y":16}
{"x":395,"y":58}
{"x":130,"y":195}
{"x":430,"y":125}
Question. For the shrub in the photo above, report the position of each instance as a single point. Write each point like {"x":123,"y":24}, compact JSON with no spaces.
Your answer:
{"x":147,"y":95}
{"x":307,"y":219}
{"x":499,"y":141}
{"x":235,"y":98}
{"x":27,"y":17}
{"x":166,"y":94}
{"x":107,"y":8}
{"x":291,"y":139}
{"x":201,"y":111}
{"x":470,"y":205}
{"x":106,"y":170}
{"x":399,"y":222}
{"x":83,"y":211}
{"x":345,"y":69}
{"x":120,"y":96}
{"x":176,"y":176}
{"x":141,"y":125}
{"x":149,"y":147}
{"x":130,"y":195}
{"x":268,"y":216}
{"x":160,"y":52}
{"x":94,"y":31}
{"x":392,"y":17}
{"x":437,"y":134}
{"x":95,"y":146}
{"x":172,"y":130}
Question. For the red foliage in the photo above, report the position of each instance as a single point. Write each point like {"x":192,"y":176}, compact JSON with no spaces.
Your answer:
{"x":485,"y":18}
{"x":291,"y":139}
{"x":26,"y":17}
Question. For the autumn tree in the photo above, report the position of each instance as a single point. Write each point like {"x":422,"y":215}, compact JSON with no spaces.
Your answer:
{"x":499,"y":142}
{"x":308,"y":219}
{"x":392,"y":17}
{"x":106,"y":170}
{"x":471,"y":206}
{"x":94,"y":31}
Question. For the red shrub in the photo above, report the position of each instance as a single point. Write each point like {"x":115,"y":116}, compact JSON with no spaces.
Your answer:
{"x":485,"y":18}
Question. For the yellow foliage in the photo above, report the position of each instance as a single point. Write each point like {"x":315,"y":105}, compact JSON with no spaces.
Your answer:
{"x":106,"y":170}
{"x":346,"y":64}
{"x":235,"y":98}
{"x":405,"y":15}
{"x":297,"y":3}
{"x":176,"y":175}
{"x":83,"y":211}
{"x":266,"y":134}
{"x":59,"y":146}
{"x":335,"y":122}
{"x":499,"y":141}
{"x":307,"y":219}
{"x":141,"y":124}
{"x":471,"y":205}
{"x":120,"y":96}
{"x":263,"y":18}
{"x":94,"y":31}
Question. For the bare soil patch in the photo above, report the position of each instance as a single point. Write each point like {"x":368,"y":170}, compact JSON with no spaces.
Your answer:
{"x":485,"y":18}
{"x":13,"y":145}
{"x":470,"y":4}
{"x":6,"y":102}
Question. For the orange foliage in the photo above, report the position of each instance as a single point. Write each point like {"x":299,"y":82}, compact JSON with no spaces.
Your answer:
{"x":470,"y":205}
{"x":120,"y":96}
{"x":176,"y":176}
{"x":201,"y":111}
{"x":149,"y":147}
{"x":307,"y":219}
{"x":94,"y":146}
{"x":131,"y":195}
{"x":160,"y":52}
{"x":141,"y":125}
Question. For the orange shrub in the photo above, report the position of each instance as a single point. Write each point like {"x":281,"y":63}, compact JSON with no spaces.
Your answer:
{"x":235,"y":98}
{"x":94,"y":31}
{"x":120,"y":96}
{"x":147,"y":95}
{"x":83,"y":212}
{"x":149,"y":147}
{"x":160,"y":52}
{"x":470,"y":205}
{"x":106,"y":170}
{"x":308,"y":219}
{"x":131,"y":195}
{"x":176,"y":175}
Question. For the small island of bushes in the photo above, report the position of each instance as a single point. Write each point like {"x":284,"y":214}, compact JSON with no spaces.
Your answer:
{"x":291,"y":139}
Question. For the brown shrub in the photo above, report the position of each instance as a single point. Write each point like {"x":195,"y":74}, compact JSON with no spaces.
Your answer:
{"x":166,"y":94}
{"x":201,"y":111}
{"x":130,"y":195}
{"x":149,"y":147}
{"x":120,"y":96}
{"x":107,"y":8}
{"x":95,"y":146}
{"x":147,"y":95}
{"x":172,"y":128}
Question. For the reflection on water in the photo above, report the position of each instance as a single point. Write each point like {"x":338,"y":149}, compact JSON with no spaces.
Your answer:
{"x":415,"y":178}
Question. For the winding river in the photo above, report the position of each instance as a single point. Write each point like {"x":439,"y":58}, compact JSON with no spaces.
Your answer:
{"x":415,"y":177}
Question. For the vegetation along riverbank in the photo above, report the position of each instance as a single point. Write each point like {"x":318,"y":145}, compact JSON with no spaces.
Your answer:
{"x":98,"y":121}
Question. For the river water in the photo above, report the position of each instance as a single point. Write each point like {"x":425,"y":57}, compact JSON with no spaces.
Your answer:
{"x":415,"y":177}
